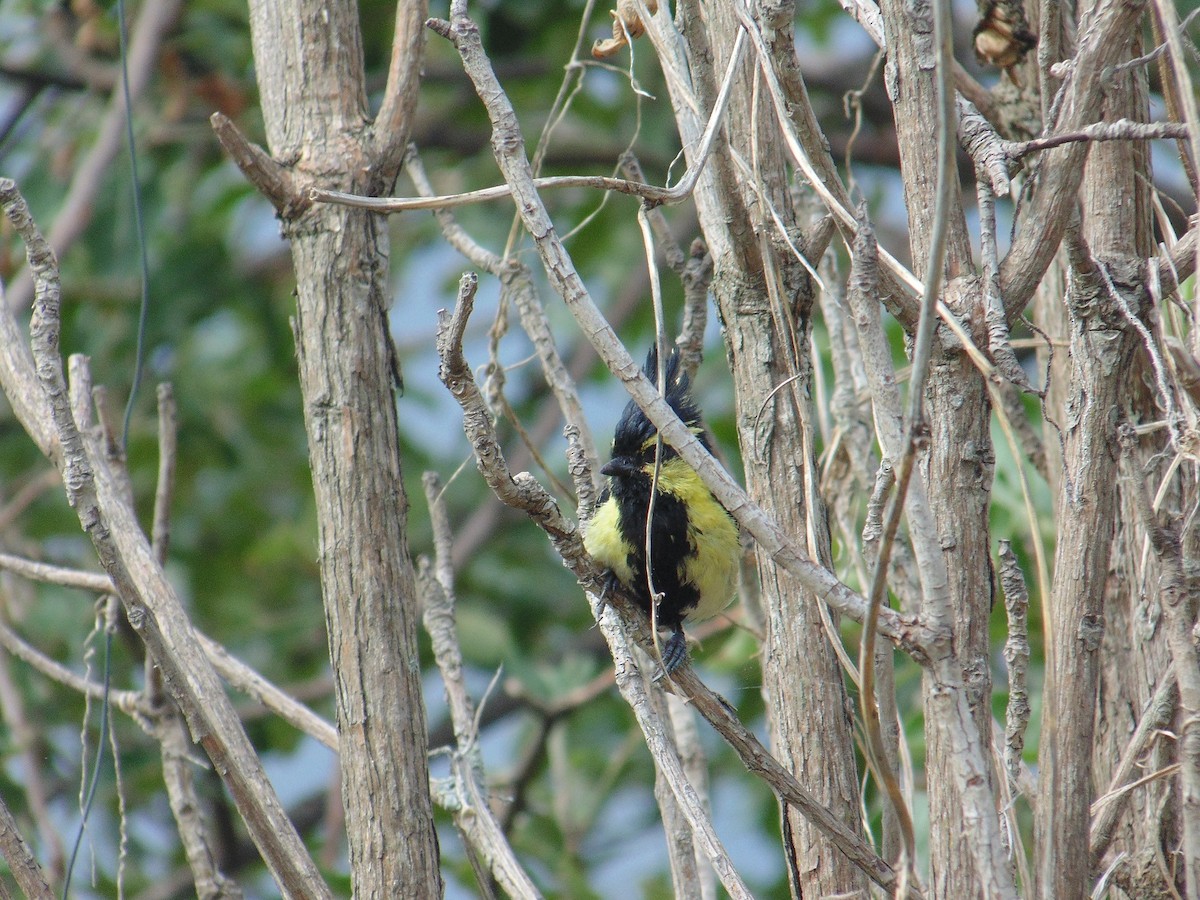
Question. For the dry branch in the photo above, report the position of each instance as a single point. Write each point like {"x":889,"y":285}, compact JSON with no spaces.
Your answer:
{"x":99,"y":494}
{"x":471,"y":810}
{"x":522,"y":492}
{"x":1179,"y":601}
{"x":21,"y":861}
{"x":200,"y":844}
{"x":509,"y":146}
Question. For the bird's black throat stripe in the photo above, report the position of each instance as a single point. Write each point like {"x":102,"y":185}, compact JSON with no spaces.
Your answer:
{"x":670,"y":546}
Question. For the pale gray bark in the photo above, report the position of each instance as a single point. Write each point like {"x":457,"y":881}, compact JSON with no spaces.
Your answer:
{"x":21,"y":862}
{"x":959,"y":462}
{"x":308,"y":58}
{"x":765,"y":300}
{"x":98,"y":488}
{"x":1101,"y":350}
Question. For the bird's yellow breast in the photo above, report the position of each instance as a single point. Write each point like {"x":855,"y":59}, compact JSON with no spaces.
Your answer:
{"x":712,"y":569}
{"x":711,"y":563}
{"x":604,"y":542}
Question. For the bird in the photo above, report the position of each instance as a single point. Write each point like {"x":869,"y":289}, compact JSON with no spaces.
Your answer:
{"x":694,"y":542}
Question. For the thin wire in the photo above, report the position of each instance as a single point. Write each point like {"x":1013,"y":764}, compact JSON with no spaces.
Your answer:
{"x":139,"y":359}
{"x":91,"y":793}
{"x":139,"y":224}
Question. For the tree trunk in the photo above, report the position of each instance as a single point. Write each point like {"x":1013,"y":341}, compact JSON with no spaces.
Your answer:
{"x":1118,"y":226}
{"x":960,"y":465}
{"x":765,"y":302}
{"x":960,"y":460}
{"x":309,"y":62}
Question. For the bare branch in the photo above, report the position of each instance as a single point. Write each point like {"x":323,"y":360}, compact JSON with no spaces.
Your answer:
{"x":195,"y":832}
{"x":273,"y":181}
{"x":99,"y":496}
{"x":510,"y":155}
{"x":1117,"y":130}
{"x":695,"y":766}
{"x":130,"y":702}
{"x":73,"y":578}
{"x":516,"y":285}
{"x":21,"y":862}
{"x":393,"y":125}
{"x":522,"y":492}
{"x":1016,"y":658}
{"x":999,"y":343}
{"x":472,"y":813}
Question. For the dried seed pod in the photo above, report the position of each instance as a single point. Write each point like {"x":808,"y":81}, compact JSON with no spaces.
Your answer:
{"x":1002,"y":37}
{"x":627,"y":25}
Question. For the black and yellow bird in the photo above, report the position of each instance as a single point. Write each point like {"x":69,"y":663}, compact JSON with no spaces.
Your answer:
{"x":694,"y":545}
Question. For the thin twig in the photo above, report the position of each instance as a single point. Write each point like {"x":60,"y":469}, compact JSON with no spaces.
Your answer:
{"x":200,"y":844}
{"x":96,"y":582}
{"x":648,"y":192}
{"x":21,"y":862}
{"x":164,"y":494}
{"x":1016,"y":659}
{"x":1116,"y":130}
{"x":1179,"y":602}
{"x":130,"y":702}
{"x":472,"y":814}
{"x":517,"y":287}
{"x":566,"y":281}
{"x":999,"y":345}
{"x":522,"y":492}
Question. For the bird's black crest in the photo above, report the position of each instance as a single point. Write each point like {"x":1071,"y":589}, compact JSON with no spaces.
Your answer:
{"x":634,"y":429}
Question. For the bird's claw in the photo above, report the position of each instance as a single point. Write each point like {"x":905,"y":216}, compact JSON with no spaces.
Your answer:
{"x":674,"y":652}
{"x":612,"y":584}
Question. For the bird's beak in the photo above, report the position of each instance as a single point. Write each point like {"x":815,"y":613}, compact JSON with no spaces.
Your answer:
{"x":619,"y":467}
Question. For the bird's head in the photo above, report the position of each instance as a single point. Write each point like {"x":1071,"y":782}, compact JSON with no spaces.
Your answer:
{"x":635,"y":436}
